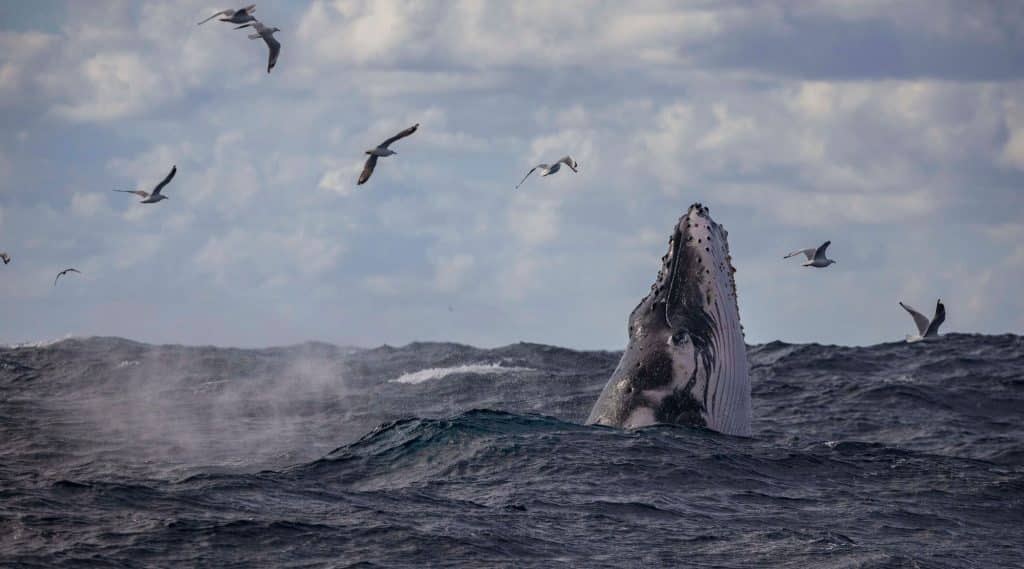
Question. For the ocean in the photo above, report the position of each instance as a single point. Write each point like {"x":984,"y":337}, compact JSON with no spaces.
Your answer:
{"x":122,"y":454}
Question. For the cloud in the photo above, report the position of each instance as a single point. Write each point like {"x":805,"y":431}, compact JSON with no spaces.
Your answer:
{"x":117,"y":85}
{"x":129,"y":253}
{"x":267,"y":258}
{"x":862,"y":122}
{"x":451,"y":272}
{"x":472,"y":35}
{"x":533,"y":221}
{"x":23,"y":52}
{"x":341,"y":181}
{"x":827,"y":209}
{"x":87,"y":205}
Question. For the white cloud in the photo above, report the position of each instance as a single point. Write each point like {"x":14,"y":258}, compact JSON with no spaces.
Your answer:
{"x":572,"y":32}
{"x":130,"y":252}
{"x":114,"y":85}
{"x":1012,"y":153}
{"x":829,"y":209}
{"x":519,"y":278}
{"x":23,"y":52}
{"x":341,"y":181}
{"x":87,"y":205}
{"x":267,"y":258}
{"x":661,"y":105}
{"x":533,"y":220}
{"x":450,"y":272}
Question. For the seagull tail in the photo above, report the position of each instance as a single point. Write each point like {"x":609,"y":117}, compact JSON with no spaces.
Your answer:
{"x":254,"y":36}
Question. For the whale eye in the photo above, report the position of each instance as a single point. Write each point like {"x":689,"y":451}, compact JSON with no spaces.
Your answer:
{"x":680,"y":338}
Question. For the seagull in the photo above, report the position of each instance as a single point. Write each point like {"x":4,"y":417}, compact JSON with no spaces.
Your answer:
{"x":239,"y":16}
{"x":815,"y":257}
{"x":268,"y":36}
{"x":382,"y":150}
{"x":5,"y":257}
{"x":546,"y":170}
{"x":926,"y":328}
{"x":156,"y":195}
{"x":64,"y":272}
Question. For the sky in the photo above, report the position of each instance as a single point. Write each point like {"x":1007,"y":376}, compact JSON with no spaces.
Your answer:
{"x":893,"y":129}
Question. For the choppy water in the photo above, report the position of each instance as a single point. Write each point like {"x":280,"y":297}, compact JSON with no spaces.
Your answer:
{"x":120,"y":454}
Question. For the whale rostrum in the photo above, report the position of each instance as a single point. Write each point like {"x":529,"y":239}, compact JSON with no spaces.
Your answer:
{"x":686,"y":361}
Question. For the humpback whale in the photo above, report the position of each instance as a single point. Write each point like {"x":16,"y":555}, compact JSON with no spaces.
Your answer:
{"x":686,"y":361}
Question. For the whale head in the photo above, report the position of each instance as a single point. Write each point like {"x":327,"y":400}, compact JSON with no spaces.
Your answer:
{"x":686,"y":361}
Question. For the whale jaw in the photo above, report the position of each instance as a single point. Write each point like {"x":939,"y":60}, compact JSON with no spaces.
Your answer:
{"x":686,"y":359}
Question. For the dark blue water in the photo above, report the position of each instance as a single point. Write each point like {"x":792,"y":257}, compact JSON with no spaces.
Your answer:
{"x":120,"y":454}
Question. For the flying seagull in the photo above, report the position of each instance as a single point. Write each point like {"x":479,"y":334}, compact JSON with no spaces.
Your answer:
{"x":239,"y":16}
{"x":546,"y":170}
{"x":156,"y":195}
{"x":5,"y":257}
{"x":815,"y":257}
{"x":64,"y":272}
{"x":926,"y":328}
{"x":382,"y":150}
{"x":268,"y":36}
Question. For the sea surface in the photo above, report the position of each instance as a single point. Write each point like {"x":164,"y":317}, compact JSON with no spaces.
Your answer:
{"x":115,"y":453}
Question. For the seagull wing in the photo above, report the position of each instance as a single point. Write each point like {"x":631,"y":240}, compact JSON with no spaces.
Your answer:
{"x":530,"y":172}
{"x":221,"y":13}
{"x":809,"y":253}
{"x":253,"y":24}
{"x":371,"y":163}
{"x":5,"y":257}
{"x":568,"y":161}
{"x":275,"y":48}
{"x":167,"y":180}
{"x":919,"y":319}
{"x":937,"y":320}
{"x":819,"y":253}
{"x":141,"y":193}
{"x":400,"y":135}
{"x":249,"y":9}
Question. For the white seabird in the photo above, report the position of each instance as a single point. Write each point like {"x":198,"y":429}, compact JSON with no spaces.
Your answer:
{"x":547,"y":170}
{"x":156,"y":195}
{"x":267,"y":33}
{"x":239,"y":16}
{"x":926,"y":328}
{"x":5,"y":257}
{"x":815,"y":257}
{"x":382,"y":150}
{"x":64,"y":272}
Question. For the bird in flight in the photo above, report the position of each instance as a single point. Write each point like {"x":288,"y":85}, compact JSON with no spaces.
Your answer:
{"x":5,"y":257}
{"x":267,"y":33}
{"x":926,"y":328}
{"x":547,"y":170}
{"x":815,"y":257}
{"x":156,"y":195}
{"x":64,"y":272}
{"x":382,"y":150}
{"x":239,"y":16}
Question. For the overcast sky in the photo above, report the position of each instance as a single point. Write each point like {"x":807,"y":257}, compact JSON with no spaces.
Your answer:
{"x":894,"y":129}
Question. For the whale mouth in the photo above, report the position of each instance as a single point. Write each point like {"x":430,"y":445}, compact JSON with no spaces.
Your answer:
{"x":686,"y":361}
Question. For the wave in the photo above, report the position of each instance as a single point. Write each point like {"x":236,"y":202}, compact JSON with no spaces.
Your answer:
{"x":39,"y":343}
{"x":443,"y":372}
{"x":890,"y":455}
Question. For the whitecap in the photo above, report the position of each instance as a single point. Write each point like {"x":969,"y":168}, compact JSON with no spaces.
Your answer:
{"x":442,"y":372}
{"x":39,"y":343}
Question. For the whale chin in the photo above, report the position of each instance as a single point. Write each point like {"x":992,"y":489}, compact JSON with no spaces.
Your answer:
{"x":686,"y":361}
